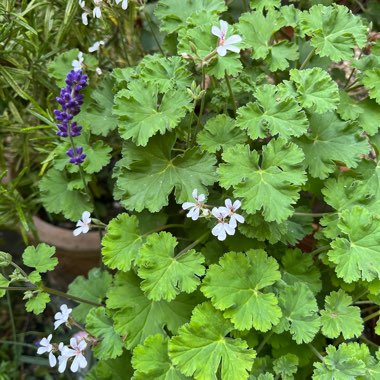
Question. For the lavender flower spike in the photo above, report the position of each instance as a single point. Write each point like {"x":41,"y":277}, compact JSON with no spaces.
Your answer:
{"x":78,"y":157}
{"x":70,"y":100}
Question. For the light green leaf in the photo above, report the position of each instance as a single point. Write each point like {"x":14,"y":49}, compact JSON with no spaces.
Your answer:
{"x":151,"y":360}
{"x":371,"y":80}
{"x":339,"y":317}
{"x":265,"y":4}
{"x":348,"y":108}
{"x":317,"y":91}
{"x":37,"y":303}
{"x":168,"y":73}
{"x":334,"y":31}
{"x":256,"y":31}
{"x":202,"y":346}
{"x":142,"y":114}
{"x":40,"y":257}
{"x":300,"y":267}
{"x":136,"y":317}
{"x":173,"y":15}
{"x":369,"y":119}
{"x":280,"y":54}
{"x":286,"y":366}
{"x":96,"y":112}
{"x":339,"y":364}
{"x":93,"y":288}
{"x":165,"y":276}
{"x":357,"y":255}
{"x":100,"y":325}
{"x":272,"y":185}
{"x":149,"y":175}
{"x":272,"y":115}
{"x":331,"y":140}
{"x":57,"y":198}
{"x":220,"y":132}
{"x":237,"y":286}
{"x":122,"y":242}
{"x":299,"y":308}
{"x":3,"y":283}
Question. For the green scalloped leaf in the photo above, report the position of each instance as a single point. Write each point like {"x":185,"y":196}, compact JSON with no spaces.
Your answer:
{"x":237,"y":285}
{"x":202,"y":346}
{"x":40,"y":257}
{"x":37,"y":303}
{"x":371,"y":80}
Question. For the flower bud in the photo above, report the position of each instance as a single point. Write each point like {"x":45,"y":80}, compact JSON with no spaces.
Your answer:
{"x":5,"y":259}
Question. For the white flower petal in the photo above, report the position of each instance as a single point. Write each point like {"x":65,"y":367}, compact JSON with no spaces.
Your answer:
{"x":216,"y":31}
{"x":74,"y":342}
{"x":229,"y":229}
{"x":201,"y":197}
{"x":97,"y":12}
{"x":124,"y":4}
{"x":195,"y":213}
{"x":222,"y":235}
{"x":62,"y":360}
{"x":216,"y":212}
{"x":217,"y":229}
{"x":195,"y":194}
{"x":42,"y":350}
{"x":82,"y":361}
{"x":221,"y":50}
{"x":239,"y":218}
{"x":187,"y":205}
{"x":223,"y":27}
{"x":233,"y":48}
{"x":232,"y":222}
{"x":84,"y":18}
{"x":75,"y":364}
{"x":82,"y":344}
{"x":234,"y":39}
{"x":236,"y":205}
{"x":78,"y":231}
{"x":86,"y":217}
{"x":52,"y":360}
{"x":228,"y":203}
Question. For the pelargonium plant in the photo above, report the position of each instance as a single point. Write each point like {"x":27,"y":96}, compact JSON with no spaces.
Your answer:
{"x":246,"y":170}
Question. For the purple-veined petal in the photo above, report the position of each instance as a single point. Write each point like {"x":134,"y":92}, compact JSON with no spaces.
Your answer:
{"x":217,"y":212}
{"x":221,"y":50}
{"x":223,"y":27}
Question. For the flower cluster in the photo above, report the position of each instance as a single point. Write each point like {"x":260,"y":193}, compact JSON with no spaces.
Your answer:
{"x":97,"y":10}
{"x":71,"y":100}
{"x":224,"y":43}
{"x":226,"y":216}
{"x":74,"y":351}
{"x":83,"y":225}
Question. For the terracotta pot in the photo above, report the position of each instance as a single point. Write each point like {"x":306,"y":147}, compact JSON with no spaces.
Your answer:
{"x":76,"y":254}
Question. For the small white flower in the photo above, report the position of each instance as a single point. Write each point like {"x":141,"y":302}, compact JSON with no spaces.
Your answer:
{"x":46,"y":346}
{"x":124,"y":3}
{"x":223,"y":226}
{"x":76,"y":351}
{"x":78,"y":63}
{"x":83,"y":224}
{"x":95,"y":46}
{"x":230,"y":210}
{"x":62,"y":316}
{"x":82,"y":3}
{"x":99,"y":71}
{"x":84,"y":18}
{"x":97,"y":12}
{"x":194,"y":207}
{"x":223,"y":43}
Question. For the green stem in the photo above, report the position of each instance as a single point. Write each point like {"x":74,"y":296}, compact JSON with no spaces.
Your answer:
{"x":233,"y":103}
{"x":192,"y":245}
{"x":362,"y":294}
{"x":318,"y":214}
{"x":202,"y":106}
{"x":189,"y":131}
{"x":307,"y":59}
{"x":351,"y":88}
{"x":20,"y":269}
{"x":319,"y":250}
{"x":366,"y":302}
{"x":369,"y":342}
{"x":264,"y":342}
{"x":150,"y":22}
{"x":68,"y":296}
{"x":317,"y":354}
{"x":17,"y":288}
{"x":371,"y":316}
{"x":17,"y":343}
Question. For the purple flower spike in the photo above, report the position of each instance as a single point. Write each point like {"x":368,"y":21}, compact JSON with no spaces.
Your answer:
{"x":70,"y":100}
{"x":78,"y":157}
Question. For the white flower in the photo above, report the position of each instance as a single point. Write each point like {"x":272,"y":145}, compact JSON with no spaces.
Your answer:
{"x":78,"y":63}
{"x":97,"y":12}
{"x":83,"y":224}
{"x":223,"y":226}
{"x":99,"y":71}
{"x":124,"y":4}
{"x":76,"y":351}
{"x":225,"y":44}
{"x":46,"y":346}
{"x":84,"y":18}
{"x":62,"y":316}
{"x":230,"y":210}
{"x":95,"y":46}
{"x":194,"y":207}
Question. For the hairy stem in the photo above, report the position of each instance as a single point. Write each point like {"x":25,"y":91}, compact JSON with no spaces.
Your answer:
{"x":317,"y":354}
{"x":307,"y":59}
{"x":192,"y":245}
